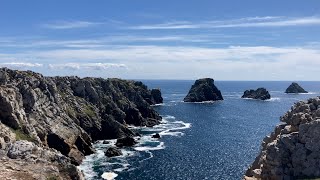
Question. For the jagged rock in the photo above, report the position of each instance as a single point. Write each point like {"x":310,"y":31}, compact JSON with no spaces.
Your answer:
{"x":157,"y":135}
{"x":156,"y":95}
{"x":260,"y":93}
{"x":292,"y":150}
{"x":67,"y":114}
{"x":203,"y":90}
{"x":105,"y":142}
{"x":126,"y":141}
{"x":295,"y":88}
{"x":20,"y":149}
{"x":111,"y":152}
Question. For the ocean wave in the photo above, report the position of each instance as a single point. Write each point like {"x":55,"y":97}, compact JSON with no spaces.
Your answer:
{"x":169,"y":126}
{"x":203,"y":102}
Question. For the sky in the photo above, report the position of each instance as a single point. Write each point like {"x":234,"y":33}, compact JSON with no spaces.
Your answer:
{"x":167,"y":39}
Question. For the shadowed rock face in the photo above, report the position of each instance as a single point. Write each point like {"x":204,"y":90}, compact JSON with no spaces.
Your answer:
{"x":203,"y":90}
{"x":295,"y":88}
{"x":292,"y":150}
{"x":260,"y":93}
{"x":69,"y":113}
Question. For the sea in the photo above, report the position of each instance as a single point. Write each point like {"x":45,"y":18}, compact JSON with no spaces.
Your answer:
{"x":210,"y":140}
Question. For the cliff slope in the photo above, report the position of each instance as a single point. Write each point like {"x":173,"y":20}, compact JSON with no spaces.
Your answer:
{"x":64,"y":115}
{"x":293,"y":150}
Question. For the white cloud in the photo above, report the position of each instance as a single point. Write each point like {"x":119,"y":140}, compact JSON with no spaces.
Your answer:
{"x":92,"y":66}
{"x":20,"y":65}
{"x":267,"y":21}
{"x":71,"y":24}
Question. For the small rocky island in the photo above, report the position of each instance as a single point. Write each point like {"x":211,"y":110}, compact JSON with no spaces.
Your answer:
{"x":203,"y":90}
{"x":292,"y":150}
{"x":260,"y":93}
{"x":48,"y":124}
{"x":295,"y":88}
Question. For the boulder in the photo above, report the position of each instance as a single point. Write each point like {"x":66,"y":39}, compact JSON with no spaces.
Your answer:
{"x":260,"y":93}
{"x":157,"y":136}
{"x":126,"y":141}
{"x":203,"y":90}
{"x":112,"y":151}
{"x":295,"y":88}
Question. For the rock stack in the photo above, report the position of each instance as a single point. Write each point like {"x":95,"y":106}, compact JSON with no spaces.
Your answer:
{"x":295,"y":88}
{"x":203,"y":90}
{"x":260,"y":93}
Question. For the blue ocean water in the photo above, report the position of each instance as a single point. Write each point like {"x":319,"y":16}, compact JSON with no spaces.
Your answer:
{"x":216,"y":140}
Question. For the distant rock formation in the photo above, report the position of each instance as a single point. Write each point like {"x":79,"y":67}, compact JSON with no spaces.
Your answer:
{"x":295,"y":88}
{"x":62,"y":116}
{"x":156,"y":95}
{"x":203,"y":90}
{"x":157,"y":136}
{"x":292,"y":151}
{"x":260,"y":93}
{"x":125,"y":141}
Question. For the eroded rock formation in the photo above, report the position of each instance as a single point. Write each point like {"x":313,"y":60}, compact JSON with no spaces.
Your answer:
{"x":260,"y":93}
{"x":295,"y":88}
{"x":66,"y":114}
{"x":292,"y":151}
{"x":203,"y":90}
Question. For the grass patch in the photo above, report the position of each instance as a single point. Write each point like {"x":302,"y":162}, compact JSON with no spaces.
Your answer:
{"x":20,"y":135}
{"x":89,"y":111}
{"x":53,"y":178}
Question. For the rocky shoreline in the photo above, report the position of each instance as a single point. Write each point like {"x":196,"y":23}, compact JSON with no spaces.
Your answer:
{"x":292,"y":150}
{"x":51,"y":122}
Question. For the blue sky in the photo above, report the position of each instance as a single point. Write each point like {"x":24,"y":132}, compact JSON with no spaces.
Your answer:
{"x":143,"y":39}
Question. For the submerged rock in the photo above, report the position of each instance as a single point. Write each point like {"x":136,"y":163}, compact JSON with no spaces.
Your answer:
{"x":112,"y":151}
{"x":260,"y":93}
{"x":295,"y":88}
{"x":203,"y":90}
{"x":292,"y":150}
{"x":126,"y":141}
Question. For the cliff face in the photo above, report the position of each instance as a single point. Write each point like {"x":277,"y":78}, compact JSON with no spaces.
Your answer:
{"x":293,"y":149}
{"x":203,"y":90}
{"x":69,"y":113}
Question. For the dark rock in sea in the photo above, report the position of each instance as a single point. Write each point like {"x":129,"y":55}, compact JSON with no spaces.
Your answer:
{"x":126,"y":141}
{"x":156,"y":95}
{"x":67,"y":114}
{"x":260,"y":93}
{"x":291,"y":151}
{"x":203,"y":90}
{"x":295,"y":88}
{"x":105,"y":142}
{"x":112,"y":151}
{"x":157,"y":135}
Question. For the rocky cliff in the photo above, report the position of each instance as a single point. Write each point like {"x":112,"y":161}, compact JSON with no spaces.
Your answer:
{"x":64,"y":115}
{"x":292,"y":151}
{"x":203,"y":90}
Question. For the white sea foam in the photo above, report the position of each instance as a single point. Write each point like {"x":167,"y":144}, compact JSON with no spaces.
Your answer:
{"x":109,"y":175}
{"x":169,"y":126}
{"x":274,"y":99}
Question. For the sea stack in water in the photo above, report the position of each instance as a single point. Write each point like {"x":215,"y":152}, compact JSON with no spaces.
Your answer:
{"x":156,"y":95}
{"x":203,"y":90}
{"x":292,"y":150}
{"x":295,"y":88}
{"x":260,"y":93}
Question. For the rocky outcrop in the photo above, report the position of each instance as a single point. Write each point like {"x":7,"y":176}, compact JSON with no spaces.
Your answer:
{"x":295,"y":88}
{"x":292,"y":151}
{"x":260,"y":93}
{"x":126,"y":141}
{"x":156,"y":136}
{"x":156,"y":95}
{"x":203,"y":90}
{"x":112,"y":151}
{"x":67,"y":114}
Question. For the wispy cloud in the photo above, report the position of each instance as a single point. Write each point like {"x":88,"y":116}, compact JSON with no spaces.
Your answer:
{"x":20,"y":65}
{"x":71,"y":24}
{"x":92,"y":66}
{"x":267,"y":21}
